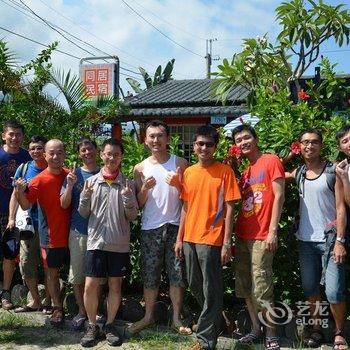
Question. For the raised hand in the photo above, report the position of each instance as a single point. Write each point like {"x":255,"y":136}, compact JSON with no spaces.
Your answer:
{"x":175,"y":179}
{"x":88,"y":188}
{"x":71,"y":177}
{"x":342,"y":168}
{"x":20,"y":185}
{"x":126,"y":190}
{"x":149,"y":183}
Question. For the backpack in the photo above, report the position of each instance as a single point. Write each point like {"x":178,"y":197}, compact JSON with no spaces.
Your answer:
{"x":23,"y":220}
{"x":329,"y":171}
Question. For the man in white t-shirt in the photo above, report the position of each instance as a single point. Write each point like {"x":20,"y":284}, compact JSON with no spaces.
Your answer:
{"x":160,"y":222}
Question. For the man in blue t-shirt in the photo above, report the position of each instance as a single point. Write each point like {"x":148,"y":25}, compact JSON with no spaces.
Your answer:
{"x":70,"y":195}
{"x":30,"y":249}
{"x":11,"y":156}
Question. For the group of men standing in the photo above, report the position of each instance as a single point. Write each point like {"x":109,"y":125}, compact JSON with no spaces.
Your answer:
{"x":187,"y":226}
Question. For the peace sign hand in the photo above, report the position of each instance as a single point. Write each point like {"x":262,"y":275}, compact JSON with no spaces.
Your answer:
{"x":71,"y":177}
{"x":88,"y":188}
{"x":126,"y":190}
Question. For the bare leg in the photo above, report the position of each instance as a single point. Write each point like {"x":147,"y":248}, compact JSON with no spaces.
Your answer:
{"x":114,"y":297}
{"x":8,"y":267}
{"x":32,"y":284}
{"x":176,"y":296}
{"x":54,"y":286}
{"x":150,"y":296}
{"x":79,"y":297}
{"x":339,"y":314}
{"x":253,"y":316}
{"x":92,"y":284}
{"x":314,"y":315}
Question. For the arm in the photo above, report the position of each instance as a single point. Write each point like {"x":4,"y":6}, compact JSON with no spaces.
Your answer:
{"x":84,"y":208}
{"x":290,"y":175}
{"x":278,"y":191}
{"x":339,"y":250}
{"x":181,"y":232}
{"x":66,"y":196}
{"x":142,"y":187}
{"x":226,"y":247}
{"x":13,"y":206}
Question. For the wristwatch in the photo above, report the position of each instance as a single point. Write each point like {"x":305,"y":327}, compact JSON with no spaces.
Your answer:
{"x":341,"y":240}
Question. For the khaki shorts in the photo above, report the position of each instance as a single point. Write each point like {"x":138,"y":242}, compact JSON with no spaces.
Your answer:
{"x":30,"y":257}
{"x":254,"y":272}
{"x":77,"y":247}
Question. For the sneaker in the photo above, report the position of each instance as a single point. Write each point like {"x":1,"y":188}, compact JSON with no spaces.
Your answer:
{"x":92,"y":335}
{"x":112,"y":336}
{"x":6,"y":300}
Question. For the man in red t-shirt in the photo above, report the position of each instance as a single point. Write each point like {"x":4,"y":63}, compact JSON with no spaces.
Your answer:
{"x":262,"y":191}
{"x":44,"y":189}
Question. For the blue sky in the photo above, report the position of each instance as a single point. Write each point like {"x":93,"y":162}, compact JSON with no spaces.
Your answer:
{"x":111,"y":26}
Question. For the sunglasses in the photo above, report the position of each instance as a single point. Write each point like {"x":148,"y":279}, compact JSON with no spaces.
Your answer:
{"x":310,"y":142}
{"x":207,"y":144}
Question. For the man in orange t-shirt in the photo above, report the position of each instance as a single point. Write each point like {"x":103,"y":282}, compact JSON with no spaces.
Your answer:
{"x":262,"y":189}
{"x":45,"y":189}
{"x":204,"y":238}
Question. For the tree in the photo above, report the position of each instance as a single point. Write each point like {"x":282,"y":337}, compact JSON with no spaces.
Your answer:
{"x":158,"y":78}
{"x":306,"y":25}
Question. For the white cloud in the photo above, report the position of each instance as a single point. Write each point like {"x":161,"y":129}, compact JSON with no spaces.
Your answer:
{"x":135,"y":41}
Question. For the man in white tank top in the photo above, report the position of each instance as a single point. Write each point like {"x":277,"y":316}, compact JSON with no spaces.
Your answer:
{"x":321,"y":243}
{"x":160,"y":222}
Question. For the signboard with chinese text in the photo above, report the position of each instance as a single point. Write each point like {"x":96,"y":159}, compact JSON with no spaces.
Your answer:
{"x":99,"y":79}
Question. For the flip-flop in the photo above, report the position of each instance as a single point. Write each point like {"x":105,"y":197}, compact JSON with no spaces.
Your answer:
{"x":182,"y":330}
{"x":27,"y":308}
{"x":138,"y":326}
{"x":57,"y":317}
{"x":78,"y":322}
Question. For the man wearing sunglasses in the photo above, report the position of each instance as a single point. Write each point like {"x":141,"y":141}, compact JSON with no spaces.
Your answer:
{"x":320,"y":242}
{"x":209,"y":189}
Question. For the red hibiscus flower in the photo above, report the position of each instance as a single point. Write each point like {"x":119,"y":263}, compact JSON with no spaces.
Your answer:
{"x":295,"y":147}
{"x":234,"y":151}
{"x":303,"y":95}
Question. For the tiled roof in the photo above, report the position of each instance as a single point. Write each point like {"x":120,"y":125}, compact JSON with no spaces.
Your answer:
{"x":185,"y":97}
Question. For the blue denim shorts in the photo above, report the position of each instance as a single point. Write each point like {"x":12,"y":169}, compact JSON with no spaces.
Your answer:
{"x":317,"y":267}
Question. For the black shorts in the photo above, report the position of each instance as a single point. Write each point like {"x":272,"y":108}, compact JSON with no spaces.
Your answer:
{"x":54,"y":257}
{"x":101,"y":264}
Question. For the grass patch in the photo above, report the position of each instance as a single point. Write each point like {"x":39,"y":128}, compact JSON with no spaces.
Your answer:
{"x":10,"y":326}
{"x":162,"y":340}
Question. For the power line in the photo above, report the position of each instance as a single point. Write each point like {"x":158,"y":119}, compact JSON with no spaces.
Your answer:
{"x":161,"y":32}
{"x":169,"y":23}
{"x":99,"y":38}
{"x":51,"y":25}
{"x":57,"y":50}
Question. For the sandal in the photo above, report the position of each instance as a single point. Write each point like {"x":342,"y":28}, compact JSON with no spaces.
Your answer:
{"x":340,"y":344}
{"x":249,"y":339}
{"x":27,"y":308}
{"x":78,"y":322}
{"x":314,"y":340}
{"x":57,"y":317}
{"x":182,"y":330}
{"x":47,"y":310}
{"x":272,"y":343}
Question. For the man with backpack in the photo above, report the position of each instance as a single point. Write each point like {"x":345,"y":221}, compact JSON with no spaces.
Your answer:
{"x":30,"y":248}
{"x":320,"y":241}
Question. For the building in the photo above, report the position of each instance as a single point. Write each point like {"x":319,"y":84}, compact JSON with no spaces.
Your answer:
{"x":184,"y":105}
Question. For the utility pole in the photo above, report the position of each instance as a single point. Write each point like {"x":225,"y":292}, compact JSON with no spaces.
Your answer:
{"x":209,"y":54}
